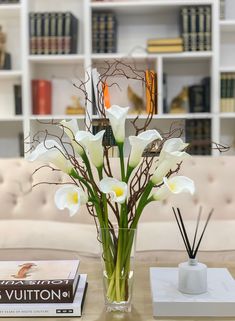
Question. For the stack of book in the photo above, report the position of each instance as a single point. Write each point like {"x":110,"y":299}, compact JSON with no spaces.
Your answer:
{"x":227,"y":92}
{"x":41,"y":288}
{"x":104,"y":32}
{"x":198,"y":135}
{"x":165,"y":45}
{"x":41,"y":97}
{"x":196,"y":28}
{"x":53,"y":33}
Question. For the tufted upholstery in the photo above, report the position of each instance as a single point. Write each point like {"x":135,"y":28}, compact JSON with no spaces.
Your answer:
{"x":30,"y":218}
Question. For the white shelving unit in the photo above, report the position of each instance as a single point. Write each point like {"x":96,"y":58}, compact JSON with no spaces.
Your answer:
{"x":137,"y":22}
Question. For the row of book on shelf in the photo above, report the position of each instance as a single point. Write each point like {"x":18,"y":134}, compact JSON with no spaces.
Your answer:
{"x":104,"y":32}
{"x":227,"y":92}
{"x":53,"y":33}
{"x":41,"y":288}
{"x":195,"y":22}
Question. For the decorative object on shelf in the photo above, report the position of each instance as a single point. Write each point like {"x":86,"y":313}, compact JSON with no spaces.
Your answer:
{"x":5,"y":58}
{"x":180,"y":104}
{"x":76,"y":108}
{"x":137,"y":103}
{"x":115,"y":204}
{"x":192,"y":275}
{"x":151,"y":97}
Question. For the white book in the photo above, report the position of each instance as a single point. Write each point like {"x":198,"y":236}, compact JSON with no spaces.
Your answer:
{"x":49,"y":309}
{"x":218,"y":301}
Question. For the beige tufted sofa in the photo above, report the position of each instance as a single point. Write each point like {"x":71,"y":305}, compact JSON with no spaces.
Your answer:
{"x":29,"y":219}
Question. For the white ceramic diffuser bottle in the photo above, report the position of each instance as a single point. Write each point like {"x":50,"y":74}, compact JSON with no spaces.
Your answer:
{"x":192,"y":277}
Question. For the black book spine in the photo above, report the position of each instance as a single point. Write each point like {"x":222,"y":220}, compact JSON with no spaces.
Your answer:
{"x":59,"y":33}
{"x":53,"y":33}
{"x":196,"y":99}
{"x":18,"y":99}
{"x":32,"y":33}
{"x":207,"y":94}
{"x":46,"y":33}
{"x":39,"y":33}
{"x":74,"y":34}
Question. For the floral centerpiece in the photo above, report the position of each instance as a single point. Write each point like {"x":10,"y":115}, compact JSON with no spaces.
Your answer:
{"x":115,"y":202}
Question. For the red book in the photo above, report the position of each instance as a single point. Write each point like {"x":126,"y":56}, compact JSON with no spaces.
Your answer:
{"x":41,"y":97}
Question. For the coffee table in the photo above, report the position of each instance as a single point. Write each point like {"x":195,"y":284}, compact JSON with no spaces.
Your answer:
{"x":94,"y":304}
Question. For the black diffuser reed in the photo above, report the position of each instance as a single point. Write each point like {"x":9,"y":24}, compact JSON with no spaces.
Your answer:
{"x":191,"y":249}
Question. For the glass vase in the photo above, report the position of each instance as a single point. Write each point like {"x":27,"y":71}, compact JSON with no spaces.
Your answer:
{"x":117,"y":256}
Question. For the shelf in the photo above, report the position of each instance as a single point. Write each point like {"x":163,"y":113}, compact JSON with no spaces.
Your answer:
{"x":227,"y":115}
{"x":56,"y":117}
{"x":169,"y":116}
{"x":9,"y":10}
{"x":70,"y":59}
{"x":227,"y":69}
{"x":10,"y":74}
{"x":227,"y":25}
{"x":12,"y":118}
{"x":133,"y":7}
{"x":142,"y":56}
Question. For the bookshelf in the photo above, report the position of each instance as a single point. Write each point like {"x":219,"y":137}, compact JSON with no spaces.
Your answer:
{"x":137,"y":21}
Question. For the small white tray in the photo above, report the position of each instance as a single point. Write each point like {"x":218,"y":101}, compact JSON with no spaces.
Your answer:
{"x":218,"y":301}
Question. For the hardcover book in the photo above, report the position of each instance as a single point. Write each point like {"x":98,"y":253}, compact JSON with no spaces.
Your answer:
{"x":52,"y":281}
{"x":168,"y":301}
{"x":42,"y":97}
{"x":49,"y":310}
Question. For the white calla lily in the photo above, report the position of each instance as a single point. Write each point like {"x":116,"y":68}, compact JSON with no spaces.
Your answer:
{"x":138,"y":144}
{"x":70,"y":197}
{"x":172,"y":145}
{"x":117,"y":189}
{"x":171,"y":155}
{"x":93,"y":144}
{"x":175,"y":185}
{"x":117,"y":117}
{"x":71,"y":128}
{"x":50,"y":151}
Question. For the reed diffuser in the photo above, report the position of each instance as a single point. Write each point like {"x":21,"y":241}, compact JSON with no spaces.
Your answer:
{"x":192,"y":275}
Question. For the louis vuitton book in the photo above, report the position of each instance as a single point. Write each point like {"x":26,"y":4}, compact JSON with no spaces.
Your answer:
{"x":52,"y":281}
{"x":49,"y":310}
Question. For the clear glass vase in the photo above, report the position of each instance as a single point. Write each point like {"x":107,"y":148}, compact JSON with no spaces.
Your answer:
{"x":117,"y":256}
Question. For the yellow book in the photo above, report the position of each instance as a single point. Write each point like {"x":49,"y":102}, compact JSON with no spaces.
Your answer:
{"x":159,"y":49}
{"x":165,"y":42}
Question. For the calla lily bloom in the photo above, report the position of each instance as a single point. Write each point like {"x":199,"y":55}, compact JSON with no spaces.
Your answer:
{"x":172,"y":145}
{"x":93,"y":143}
{"x":138,"y":144}
{"x":71,"y":197}
{"x":71,"y":129}
{"x":117,"y":117}
{"x":175,"y":185}
{"x":114,"y":187}
{"x":171,"y":155}
{"x":50,"y":151}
